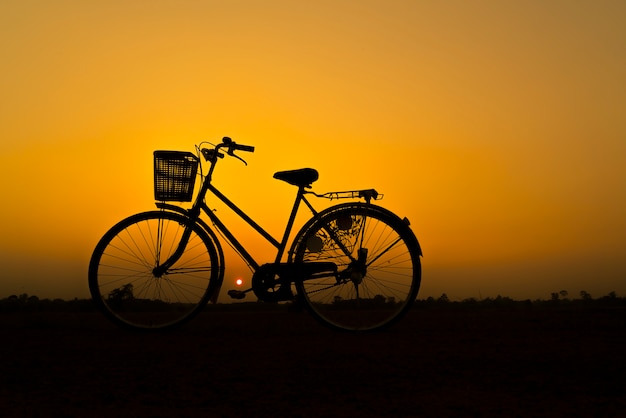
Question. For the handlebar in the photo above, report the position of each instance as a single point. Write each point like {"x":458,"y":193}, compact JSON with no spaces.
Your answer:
{"x":213,"y":154}
{"x":246,"y":148}
{"x":233,"y":146}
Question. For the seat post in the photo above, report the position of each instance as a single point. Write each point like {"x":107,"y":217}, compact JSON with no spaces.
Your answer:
{"x":292,"y":219}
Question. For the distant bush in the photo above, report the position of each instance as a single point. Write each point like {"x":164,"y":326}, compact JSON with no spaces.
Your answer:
{"x":556,"y":299}
{"x":28,"y":303}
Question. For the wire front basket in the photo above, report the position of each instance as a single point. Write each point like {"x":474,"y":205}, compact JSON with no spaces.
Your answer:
{"x":174,"y":175}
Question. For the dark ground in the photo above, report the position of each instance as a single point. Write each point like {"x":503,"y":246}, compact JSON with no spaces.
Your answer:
{"x":437,"y":362}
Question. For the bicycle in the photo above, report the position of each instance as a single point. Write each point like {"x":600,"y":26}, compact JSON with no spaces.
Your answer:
{"x":355,"y":266}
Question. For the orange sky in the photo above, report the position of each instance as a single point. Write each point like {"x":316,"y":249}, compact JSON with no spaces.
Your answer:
{"x":496,"y":127}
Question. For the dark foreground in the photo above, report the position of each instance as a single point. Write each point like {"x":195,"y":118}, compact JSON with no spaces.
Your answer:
{"x":435,"y":362}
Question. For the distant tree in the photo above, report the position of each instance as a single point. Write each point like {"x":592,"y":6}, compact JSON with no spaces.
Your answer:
{"x":554,"y":297}
{"x":121,"y":294}
{"x":585,"y":295}
{"x":502,"y":300}
{"x":11,"y":304}
{"x":379,"y":300}
{"x":443,"y":298}
{"x":563,"y":294}
{"x":470,"y":301}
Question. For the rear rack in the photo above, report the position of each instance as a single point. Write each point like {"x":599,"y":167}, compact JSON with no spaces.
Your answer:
{"x":367,"y":194}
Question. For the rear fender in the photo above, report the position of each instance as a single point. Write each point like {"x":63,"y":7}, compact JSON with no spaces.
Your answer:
{"x":348,"y":206}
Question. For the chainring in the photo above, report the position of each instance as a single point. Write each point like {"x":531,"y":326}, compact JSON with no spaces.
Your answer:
{"x":269,"y":285}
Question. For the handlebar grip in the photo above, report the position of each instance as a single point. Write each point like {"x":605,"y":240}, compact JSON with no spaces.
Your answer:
{"x":247,"y":148}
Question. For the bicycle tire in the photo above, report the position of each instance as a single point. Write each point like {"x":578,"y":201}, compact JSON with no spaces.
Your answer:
{"x":387,"y":289}
{"x":121,"y":272}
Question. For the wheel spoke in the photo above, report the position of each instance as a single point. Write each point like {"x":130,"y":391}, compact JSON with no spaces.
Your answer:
{"x":377,"y":259}
{"x":122,"y":276}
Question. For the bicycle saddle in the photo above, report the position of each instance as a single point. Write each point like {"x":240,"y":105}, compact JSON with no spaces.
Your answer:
{"x":302,"y":177}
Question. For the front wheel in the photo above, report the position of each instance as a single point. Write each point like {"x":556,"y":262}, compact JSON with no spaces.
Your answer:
{"x":126,"y":285}
{"x":378,"y":267}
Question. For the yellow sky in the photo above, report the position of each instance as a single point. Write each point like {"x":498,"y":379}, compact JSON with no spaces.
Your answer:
{"x":496,"y":127}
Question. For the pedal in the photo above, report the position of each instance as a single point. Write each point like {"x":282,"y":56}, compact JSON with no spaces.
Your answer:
{"x":236,"y":294}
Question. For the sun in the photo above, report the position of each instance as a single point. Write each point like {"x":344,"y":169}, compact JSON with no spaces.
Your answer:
{"x":239,"y":281}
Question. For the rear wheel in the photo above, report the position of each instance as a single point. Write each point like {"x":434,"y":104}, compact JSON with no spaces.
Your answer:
{"x":378,"y":261}
{"x":125,"y":285}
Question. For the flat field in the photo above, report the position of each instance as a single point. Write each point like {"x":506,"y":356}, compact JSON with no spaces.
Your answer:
{"x":436,"y":362}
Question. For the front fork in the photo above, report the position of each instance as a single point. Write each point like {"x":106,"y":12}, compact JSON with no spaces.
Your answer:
{"x":161,"y":268}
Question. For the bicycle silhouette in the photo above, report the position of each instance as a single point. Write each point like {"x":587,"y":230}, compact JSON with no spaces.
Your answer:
{"x":355,"y":266}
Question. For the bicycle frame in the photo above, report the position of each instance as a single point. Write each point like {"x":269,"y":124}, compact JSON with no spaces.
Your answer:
{"x":279,"y":245}
{"x":200,"y":206}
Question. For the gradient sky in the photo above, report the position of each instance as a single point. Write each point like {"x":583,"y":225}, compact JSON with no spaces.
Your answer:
{"x":498,"y":128}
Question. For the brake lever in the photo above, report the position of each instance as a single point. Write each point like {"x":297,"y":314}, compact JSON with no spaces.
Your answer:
{"x":232,"y":154}
{"x":231,"y":149}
